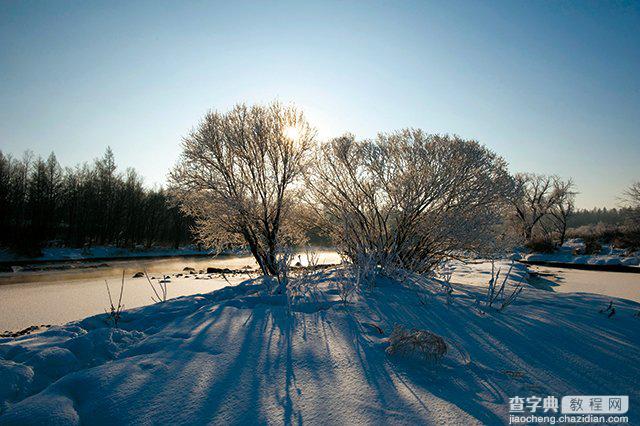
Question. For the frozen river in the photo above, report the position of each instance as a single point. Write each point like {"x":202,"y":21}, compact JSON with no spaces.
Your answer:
{"x":617,"y":284}
{"x":57,"y":297}
{"x":563,"y":280}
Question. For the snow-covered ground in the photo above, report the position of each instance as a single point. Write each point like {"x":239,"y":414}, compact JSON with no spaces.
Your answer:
{"x":239,"y":355}
{"x":568,"y":254}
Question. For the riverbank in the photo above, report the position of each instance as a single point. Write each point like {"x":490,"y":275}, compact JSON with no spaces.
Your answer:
{"x":572,"y":255}
{"x":614,"y":267}
{"x":54,"y":255}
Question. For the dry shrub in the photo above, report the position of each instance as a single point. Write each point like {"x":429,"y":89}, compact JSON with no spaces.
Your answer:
{"x":592,"y":246}
{"x":351,"y":277}
{"x":160,"y":294}
{"x":346,"y":288}
{"x":115,"y":311}
{"x":495,"y":292}
{"x":416,"y":342}
{"x":541,"y":245}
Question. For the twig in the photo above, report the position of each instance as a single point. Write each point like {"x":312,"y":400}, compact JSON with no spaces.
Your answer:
{"x":157,"y":299}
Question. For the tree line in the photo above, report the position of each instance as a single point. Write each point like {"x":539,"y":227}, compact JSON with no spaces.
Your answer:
{"x":613,"y":216}
{"x":42,"y":203}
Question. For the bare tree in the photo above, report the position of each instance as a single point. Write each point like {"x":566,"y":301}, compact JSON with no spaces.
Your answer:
{"x":632,"y":195}
{"x":238,"y":176}
{"x":407,"y":199}
{"x":535,"y":198}
{"x":564,"y":209}
{"x":632,"y":226}
{"x":41,"y":202}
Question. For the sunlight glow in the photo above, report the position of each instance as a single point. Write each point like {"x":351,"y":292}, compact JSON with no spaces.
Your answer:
{"x":291,"y":132}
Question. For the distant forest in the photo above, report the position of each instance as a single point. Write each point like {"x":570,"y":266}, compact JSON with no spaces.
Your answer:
{"x":90,"y":204}
{"x":612,"y":216}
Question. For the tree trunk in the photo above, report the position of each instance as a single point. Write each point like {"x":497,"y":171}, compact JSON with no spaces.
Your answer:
{"x":563,"y":234}
{"x":255,"y":251}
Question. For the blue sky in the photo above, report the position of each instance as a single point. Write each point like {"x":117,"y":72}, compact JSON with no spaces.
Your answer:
{"x":554,"y":87}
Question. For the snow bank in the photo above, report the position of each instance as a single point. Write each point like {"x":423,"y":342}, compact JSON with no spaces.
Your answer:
{"x":238,"y":356}
{"x":583,"y":259}
{"x":567,"y":254}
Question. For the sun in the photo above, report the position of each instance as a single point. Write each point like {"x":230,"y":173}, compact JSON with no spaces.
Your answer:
{"x":291,"y":132}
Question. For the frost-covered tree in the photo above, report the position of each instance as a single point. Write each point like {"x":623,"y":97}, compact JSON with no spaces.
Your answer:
{"x":536,"y":197}
{"x":632,"y":199}
{"x":408,"y":199}
{"x":632,"y":195}
{"x":239,"y":175}
{"x":561,"y":213}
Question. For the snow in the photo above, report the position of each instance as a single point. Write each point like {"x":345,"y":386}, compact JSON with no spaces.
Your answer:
{"x":567,"y":280}
{"x":60,"y":296}
{"x":583,"y":259}
{"x":564,"y":280}
{"x":240,"y":355}
{"x":566,"y":254}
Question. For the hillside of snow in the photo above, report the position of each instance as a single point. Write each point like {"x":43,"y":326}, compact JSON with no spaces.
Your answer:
{"x":240,"y":355}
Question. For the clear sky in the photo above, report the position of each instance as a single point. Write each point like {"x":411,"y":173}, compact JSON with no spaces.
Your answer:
{"x":554,"y":87}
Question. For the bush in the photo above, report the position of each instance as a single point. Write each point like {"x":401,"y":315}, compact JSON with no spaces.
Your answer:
{"x":592,"y":246}
{"x":416,"y":342}
{"x":603,"y":232}
{"x":408,"y":200}
{"x":630,"y":240}
{"x":541,"y":245}
{"x":497,"y":292}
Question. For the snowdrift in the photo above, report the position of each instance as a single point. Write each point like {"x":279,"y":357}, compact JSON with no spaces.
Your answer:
{"x":569,"y":254}
{"x":239,"y":355}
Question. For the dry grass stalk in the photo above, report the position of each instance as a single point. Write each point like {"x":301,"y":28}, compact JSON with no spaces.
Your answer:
{"x":416,"y":342}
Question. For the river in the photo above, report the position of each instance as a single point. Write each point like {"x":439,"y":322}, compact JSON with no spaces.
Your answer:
{"x":562,"y":280}
{"x":57,"y":297}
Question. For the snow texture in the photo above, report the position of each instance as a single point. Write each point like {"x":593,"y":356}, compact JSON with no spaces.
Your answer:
{"x":239,"y":355}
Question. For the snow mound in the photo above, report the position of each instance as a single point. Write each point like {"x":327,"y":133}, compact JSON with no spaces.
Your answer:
{"x":568,"y":254}
{"x":239,"y":355}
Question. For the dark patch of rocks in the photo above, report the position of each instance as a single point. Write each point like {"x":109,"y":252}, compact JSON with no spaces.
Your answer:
{"x":24,"y":332}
